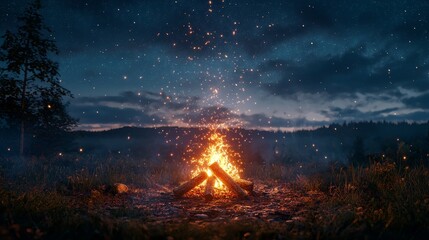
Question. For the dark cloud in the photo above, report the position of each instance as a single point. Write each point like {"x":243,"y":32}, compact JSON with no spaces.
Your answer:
{"x":350,"y":72}
{"x":264,"y":121}
{"x":315,"y":15}
{"x":113,"y":26}
{"x":147,"y":98}
{"x":208,"y":116}
{"x":332,"y":74}
{"x":419,"y":116}
{"x":149,"y":109}
{"x":414,"y":30}
{"x":213,"y":32}
{"x":311,"y":20}
{"x":347,"y":114}
{"x":418,"y":102}
{"x":270,"y":37}
{"x":111,"y":115}
{"x":145,"y":108}
{"x":199,"y":33}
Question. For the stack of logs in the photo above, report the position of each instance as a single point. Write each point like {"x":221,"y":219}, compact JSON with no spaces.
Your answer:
{"x":236,"y":185}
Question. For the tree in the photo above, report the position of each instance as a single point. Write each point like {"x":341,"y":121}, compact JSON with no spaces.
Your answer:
{"x":9,"y":108}
{"x":31,"y":94}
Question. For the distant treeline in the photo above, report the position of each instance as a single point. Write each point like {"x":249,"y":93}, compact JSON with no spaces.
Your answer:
{"x":354,"y":142}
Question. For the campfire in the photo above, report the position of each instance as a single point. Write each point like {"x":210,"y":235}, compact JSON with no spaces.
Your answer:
{"x":217,"y":171}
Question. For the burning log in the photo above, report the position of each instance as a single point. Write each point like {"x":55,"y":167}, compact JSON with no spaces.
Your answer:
{"x":187,"y":186}
{"x":227,"y":180}
{"x":209,"y":190}
{"x":245,"y":184}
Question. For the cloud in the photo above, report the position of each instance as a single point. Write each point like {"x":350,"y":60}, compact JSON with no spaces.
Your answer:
{"x":212,"y":115}
{"x":145,"y":108}
{"x":352,"y":71}
{"x":418,"y":102}
{"x":110,"y":115}
{"x":270,"y":37}
{"x":419,"y":116}
{"x":346,"y":72}
{"x":113,"y":26}
{"x":354,"y":114}
{"x":264,"y":121}
{"x":149,"y":109}
{"x":309,"y":20}
{"x":152,"y":109}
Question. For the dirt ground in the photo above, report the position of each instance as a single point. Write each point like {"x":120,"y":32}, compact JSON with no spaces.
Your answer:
{"x":276,"y":210}
{"x":273,"y":211}
{"x":269,"y":203}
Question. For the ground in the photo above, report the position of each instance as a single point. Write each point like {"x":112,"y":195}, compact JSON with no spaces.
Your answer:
{"x":380,"y":201}
{"x":274,"y":206}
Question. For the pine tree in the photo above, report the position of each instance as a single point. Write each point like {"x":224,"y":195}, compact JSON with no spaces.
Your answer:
{"x":34,"y":96}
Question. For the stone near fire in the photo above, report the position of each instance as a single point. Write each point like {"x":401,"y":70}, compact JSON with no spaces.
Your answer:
{"x":121,"y":188}
{"x":115,"y":188}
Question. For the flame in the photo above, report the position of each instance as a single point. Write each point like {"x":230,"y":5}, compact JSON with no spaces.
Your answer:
{"x":217,"y":151}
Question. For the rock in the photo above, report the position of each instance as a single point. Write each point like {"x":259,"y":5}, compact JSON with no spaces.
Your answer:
{"x":121,"y":188}
{"x":116,"y":188}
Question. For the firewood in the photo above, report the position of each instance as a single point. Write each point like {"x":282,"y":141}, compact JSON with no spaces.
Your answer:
{"x":209,"y":190}
{"x":187,"y":186}
{"x":227,"y":180}
{"x":244,"y":184}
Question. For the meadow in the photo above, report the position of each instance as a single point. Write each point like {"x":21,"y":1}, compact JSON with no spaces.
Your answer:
{"x":73,"y":196}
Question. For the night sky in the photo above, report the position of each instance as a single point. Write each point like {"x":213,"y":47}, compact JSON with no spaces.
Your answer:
{"x":272,"y":64}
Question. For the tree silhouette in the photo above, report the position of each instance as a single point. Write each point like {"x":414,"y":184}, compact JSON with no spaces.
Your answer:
{"x":31,"y":94}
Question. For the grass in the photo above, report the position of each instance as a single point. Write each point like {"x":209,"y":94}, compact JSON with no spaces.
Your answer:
{"x":56,"y":199}
{"x":382,"y":199}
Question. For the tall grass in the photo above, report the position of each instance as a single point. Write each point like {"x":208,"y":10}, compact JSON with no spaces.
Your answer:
{"x":381,"y":198}
{"x":85,"y":172}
